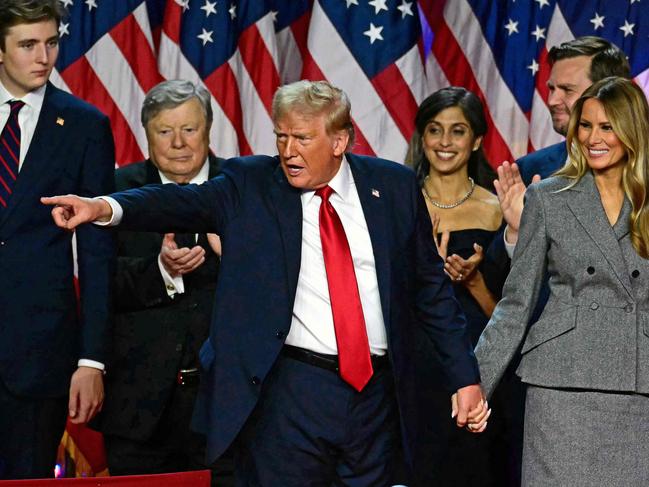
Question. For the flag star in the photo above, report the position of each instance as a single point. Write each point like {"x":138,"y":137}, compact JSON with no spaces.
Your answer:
{"x":67,"y":3}
{"x":378,"y":5}
{"x":627,"y":28}
{"x":534,"y":67}
{"x":374,"y":33}
{"x":63,"y":29}
{"x":511,"y":27}
{"x":233,"y":11}
{"x":634,"y":1}
{"x":597,"y":21}
{"x":209,"y":7}
{"x":91,"y":4}
{"x":405,"y":8}
{"x":184,"y":4}
{"x":205,"y":36}
{"x":542,"y":3}
{"x":273,"y":15}
{"x":351,"y":2}
{"x":539,"y":33}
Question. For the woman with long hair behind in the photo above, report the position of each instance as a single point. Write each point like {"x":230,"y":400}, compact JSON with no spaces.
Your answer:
{"x":586,"y":360}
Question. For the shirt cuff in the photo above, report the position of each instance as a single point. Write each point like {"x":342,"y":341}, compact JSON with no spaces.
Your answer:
{"x":84,"y":362}
{"x":509,"y":247}
{"x":173,"y":285}
{"x":117,"y":215}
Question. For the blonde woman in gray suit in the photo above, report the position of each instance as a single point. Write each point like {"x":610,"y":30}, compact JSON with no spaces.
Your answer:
{"x":586,"y":360}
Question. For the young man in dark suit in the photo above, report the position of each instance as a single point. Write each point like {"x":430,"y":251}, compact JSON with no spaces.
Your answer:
{"x":52,"y":347}
{"x":328,"y":267}
{"x":164,"y":290}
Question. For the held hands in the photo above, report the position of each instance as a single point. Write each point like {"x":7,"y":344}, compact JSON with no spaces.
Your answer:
{"x":86,"y":394}
{"x":470,"y":409}
{"x":510,"y":189}
{"x":70,"y":211}
{"x":179,"y":261}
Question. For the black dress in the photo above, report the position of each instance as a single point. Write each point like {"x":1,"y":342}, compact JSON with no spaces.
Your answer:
{"x":456,"y":457}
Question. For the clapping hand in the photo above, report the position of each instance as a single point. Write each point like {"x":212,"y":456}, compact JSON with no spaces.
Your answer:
{"x":464,"y":270}
{"x":180,"y":261}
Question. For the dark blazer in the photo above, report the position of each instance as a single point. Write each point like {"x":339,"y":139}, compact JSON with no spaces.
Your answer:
{"x":154,"y":336}
{"x":41,"y":334}
{"x":543,"y":161}
{"x":594,"y":332}
{"x":259,"y":216}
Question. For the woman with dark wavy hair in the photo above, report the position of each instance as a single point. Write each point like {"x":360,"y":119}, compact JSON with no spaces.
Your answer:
{"x":446,"y":152}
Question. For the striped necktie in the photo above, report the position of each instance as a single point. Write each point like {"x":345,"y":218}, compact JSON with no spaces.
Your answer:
{"x":9,"y":153}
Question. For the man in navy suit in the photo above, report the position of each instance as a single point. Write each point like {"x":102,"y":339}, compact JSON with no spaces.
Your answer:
{"x":275,"y":379}
{"x":50,"y":348}
{"x":574,"y":66}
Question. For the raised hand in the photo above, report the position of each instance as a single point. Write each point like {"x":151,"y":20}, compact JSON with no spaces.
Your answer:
{"x":70,"y":211}
{"x":180,"y":261}
{"x":510,"y":189}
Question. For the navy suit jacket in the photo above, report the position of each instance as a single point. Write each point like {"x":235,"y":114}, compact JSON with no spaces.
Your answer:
{"x":543,"y":161}
{"x":43,"y":332}
{"x":259,"y":217}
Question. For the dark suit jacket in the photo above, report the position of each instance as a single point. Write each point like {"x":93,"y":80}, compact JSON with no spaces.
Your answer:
{"x":259,"y":216}
{"x":155,"y":335}
{"x":543,"y":161}
{"x":41,"y":334}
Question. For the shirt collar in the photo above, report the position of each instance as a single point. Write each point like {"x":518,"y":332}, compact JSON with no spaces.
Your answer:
{"x":33,"y":99}
{"x":200,"y":178}
{"x":341,"y":183}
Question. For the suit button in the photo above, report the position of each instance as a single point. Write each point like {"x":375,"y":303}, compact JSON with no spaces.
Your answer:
{"x":635,"y":273}
{"x":590,"y":270}
{"x":281,"y":334}
{"x":594,"y":305}
{"x":254,"y":380}
{"x":2,"y":243}
{"x":629,"y":308}
{"x":179,"y":348}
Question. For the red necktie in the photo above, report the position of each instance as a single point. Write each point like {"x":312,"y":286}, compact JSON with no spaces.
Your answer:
{"x":9,"y":153}
{"x":351,"y":335}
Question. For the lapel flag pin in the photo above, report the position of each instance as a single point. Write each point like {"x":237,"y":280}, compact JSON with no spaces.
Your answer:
{"x":60,"y":121}
{"x":375,"y":193}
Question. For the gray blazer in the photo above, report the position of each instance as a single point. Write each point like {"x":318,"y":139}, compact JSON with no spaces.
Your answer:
{"x":594,"y":330}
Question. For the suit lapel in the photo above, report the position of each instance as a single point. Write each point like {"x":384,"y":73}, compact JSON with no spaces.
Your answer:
{"x":373,"y":196}
{"x":587,"y":208}
{"x":288,"y":206}
{"x":37,"y":166}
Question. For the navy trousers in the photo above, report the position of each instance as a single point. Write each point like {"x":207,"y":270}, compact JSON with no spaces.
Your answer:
{"x":310,"y":429}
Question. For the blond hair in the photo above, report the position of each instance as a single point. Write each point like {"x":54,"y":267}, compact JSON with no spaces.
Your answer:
{"x":627,"y":110}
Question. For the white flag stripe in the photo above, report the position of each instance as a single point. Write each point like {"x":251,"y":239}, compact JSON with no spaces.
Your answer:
{"x":507,"y":116}
{"x":120,"y":82}
{"x":257,"y":125}
{"x":339,"y":66}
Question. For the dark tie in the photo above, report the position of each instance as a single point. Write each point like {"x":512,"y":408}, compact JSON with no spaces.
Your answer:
{"x":351,"y":335}
{"x":9,"y":153}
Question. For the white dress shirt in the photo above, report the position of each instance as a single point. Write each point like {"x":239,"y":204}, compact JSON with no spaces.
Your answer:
{"x":27,"y":117}
{"x":27,"y":120}
{"x":312,"y":323}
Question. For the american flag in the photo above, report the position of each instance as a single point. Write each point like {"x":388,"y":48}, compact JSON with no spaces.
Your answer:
{"x":386,"y":54}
